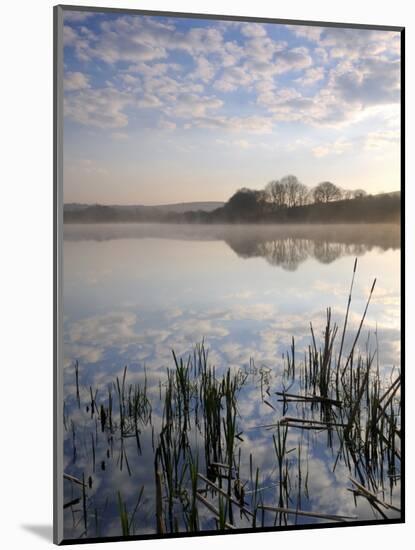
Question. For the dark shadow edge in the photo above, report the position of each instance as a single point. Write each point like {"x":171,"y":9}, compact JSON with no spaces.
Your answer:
{"x":66,"y":542}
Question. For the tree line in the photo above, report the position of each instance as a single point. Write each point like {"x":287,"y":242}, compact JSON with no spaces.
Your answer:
{"x":289,"y":192}
{"x":281,"y":201}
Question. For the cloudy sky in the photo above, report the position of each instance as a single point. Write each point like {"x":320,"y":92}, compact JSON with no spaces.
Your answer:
{"x":161,"y":110}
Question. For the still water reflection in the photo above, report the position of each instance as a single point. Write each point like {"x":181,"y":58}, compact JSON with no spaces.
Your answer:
{"x":132,"y":293}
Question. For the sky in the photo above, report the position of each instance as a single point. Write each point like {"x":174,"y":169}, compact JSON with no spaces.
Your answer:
{"x":164,"y":110}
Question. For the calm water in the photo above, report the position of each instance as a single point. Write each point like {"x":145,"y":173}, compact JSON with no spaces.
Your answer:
{"x":132,"y":293}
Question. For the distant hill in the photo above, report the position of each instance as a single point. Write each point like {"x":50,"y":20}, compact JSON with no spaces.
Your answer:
{"x":189,"y":207}
{"x":181,"y":207}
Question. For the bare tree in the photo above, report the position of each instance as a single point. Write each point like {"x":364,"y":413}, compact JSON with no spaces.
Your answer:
{"x":326,"y":192}
{"x":347,"y":194}
{"x":302,"y":194}
{"x":359,"y":193}
{"x":292,"y":186}
{"x":277,"y":193}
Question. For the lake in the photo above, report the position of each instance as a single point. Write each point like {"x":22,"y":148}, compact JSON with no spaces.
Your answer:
{"x":135,"y":292}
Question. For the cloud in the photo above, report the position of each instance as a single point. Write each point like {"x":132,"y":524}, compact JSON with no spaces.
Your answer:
{"x":78,"y":16}
{"x":337,"y":147}
{"x":191,"y":72}
{"x":73,"y":39}
{"x":364,"y":72}
{"x":367,"y":82}
{"x":69,"y":36}
{"x":254,"y":124}
{"x":311,"y":76}
{"x":189,"y":105}
{"x":88,"y":339}
{"x":252,"y":29}
{"x":312,"y":33}
{"x":350,"y":43}
{"x":233,"y":78}
{"x":194,"y":330}
{"x":129,"y":80}
{"x":75,"y":81}
{"x":131,"y":39}
{"x":357,"y":44}
{"x":165,"y":124}
{"x":204,"y":70}
{"x":202,"y":40}
{"x":381,"y":140}
{"x":350,"y":90}
{"x":262,"y":49}
{"x":292,"y":59}
{"x":148,"y":101}
{"x":141,"y":39}
{"x":102,"y":108}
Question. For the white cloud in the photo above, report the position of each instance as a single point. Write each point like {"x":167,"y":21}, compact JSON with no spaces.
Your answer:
{"x":189,"y":105}
{"x":102,"y":108}
{"x":233,"y":78}
{"x":311,"y":76}
{"x":262,"y":49}
{"x":350,"y":43}
{"x":75,"y":81}
{"x":78,"y":16}
{"x":364,"y":72}
{"x":254,"y":124}
{"x":380,"y":140}
{"x":367,"y":82}
{"x":337,"y":147}
{"x":165,"y":124}
{"x":129,"y":79}
{"x":130,"y":39}
{"x":350,"y":91}
{"x":141,"y":39}
{"x":252,"y":29}
{"x":92,"y":336}
{"x":312,"y":33}
{"x":81,"y":44}
{"x":148,"y":101}
{"x":204,"y":70}
{"x":356,"y":43}
{"x":69,"y":36}
{"x":292,"y":59}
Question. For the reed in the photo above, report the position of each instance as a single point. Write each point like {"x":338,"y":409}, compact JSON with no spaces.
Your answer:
{"x":327,"y":389}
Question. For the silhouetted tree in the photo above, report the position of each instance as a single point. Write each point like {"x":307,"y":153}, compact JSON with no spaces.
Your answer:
{"x":292,"y":186}
{"x":246,"y":203}
{"x":276,"y":193}
{"x":347,"y":194}
{"x":302,"y":194}
{"x":326,"y":192}
{"x":359,"y":193}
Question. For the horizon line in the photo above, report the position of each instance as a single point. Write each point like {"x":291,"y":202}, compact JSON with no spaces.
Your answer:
{"x":185,"y":202}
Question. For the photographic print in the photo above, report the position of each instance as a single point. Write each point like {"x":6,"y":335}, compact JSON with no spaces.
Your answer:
{"x":228,"y":274}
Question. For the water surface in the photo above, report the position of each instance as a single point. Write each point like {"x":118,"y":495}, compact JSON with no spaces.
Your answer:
{"x":133,"y":293}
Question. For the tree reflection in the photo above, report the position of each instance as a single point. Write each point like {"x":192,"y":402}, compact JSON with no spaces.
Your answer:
{"x":285,"y":246}
{"x":289,"y":253}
